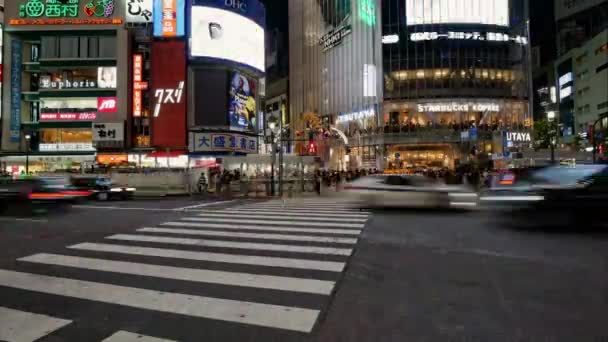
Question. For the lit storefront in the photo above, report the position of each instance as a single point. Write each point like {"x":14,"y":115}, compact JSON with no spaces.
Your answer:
{"x":455,"y":79}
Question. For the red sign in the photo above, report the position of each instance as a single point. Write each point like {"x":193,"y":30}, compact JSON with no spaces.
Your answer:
{"x":169,"y":127}
{"x":84,"y":116}
{"x":106,"y":104}
{"x":137,"y":76}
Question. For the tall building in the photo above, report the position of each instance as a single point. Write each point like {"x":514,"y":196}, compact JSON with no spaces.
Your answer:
{"x":456,"y":80}
{"x":452,"y":78}
{"x":134,"y":83}
{"x":335,"y":65}
{"x":581,"y":68}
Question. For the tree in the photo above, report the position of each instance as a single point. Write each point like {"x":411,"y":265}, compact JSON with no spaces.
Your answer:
{"x":542,"y":134}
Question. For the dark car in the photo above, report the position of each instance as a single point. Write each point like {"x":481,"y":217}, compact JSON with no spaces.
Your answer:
{"x":32,"y":195}
{"x":556,"y":196}
{"x":102,"y":188}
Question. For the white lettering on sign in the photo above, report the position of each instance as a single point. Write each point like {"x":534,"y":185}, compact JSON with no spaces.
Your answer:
{"x":519,"y":137}
{"x":456,"y":35}
{"x":458,"y":107}
{"x":168,"y":96}
{"x":362,"y":114}
{"x":236,"y":4}
{"x":106,"y":104}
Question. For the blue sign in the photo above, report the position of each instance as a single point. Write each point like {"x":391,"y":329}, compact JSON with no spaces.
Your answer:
{"x":169,"y":18}
{"x":251,"y":9}
{"x":473,"y":133}
{"x":16,"y":58}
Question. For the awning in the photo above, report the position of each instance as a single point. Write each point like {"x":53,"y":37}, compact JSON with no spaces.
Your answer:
{"x":164,"y":154}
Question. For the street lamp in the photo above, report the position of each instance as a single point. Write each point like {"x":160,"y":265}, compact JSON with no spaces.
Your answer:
{"x":552,"y":134}
{"x":27,"y":153}
{"x":272,"y":125}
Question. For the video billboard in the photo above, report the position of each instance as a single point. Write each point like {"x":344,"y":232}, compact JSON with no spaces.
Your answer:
{"x":225,"y":35}
{"x":485,"y":12}
{"x":168,"y":94}
{"x":241,"y":107}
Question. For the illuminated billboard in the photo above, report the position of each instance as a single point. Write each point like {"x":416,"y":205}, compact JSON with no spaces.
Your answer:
{"x":222,"y":34}
{"x":168,"y":78}
{"x":241,"y":108}
{"x":485,"y":12}
{"x":169,"y":18}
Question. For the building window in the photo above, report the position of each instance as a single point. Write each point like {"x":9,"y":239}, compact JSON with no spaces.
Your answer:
{"x":65,"y":135}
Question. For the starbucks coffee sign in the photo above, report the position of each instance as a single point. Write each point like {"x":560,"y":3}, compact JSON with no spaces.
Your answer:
{"x":66,"y":8}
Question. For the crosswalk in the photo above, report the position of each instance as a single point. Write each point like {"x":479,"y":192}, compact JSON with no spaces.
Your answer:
{"x":250,"y":264}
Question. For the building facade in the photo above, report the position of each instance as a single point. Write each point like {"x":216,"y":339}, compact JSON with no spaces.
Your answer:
{"x":129,"y":82}
{"x":581,"y":71}
{"x":456,"y":80}
{"x":65,"y":69}
{"x":335,"y":61}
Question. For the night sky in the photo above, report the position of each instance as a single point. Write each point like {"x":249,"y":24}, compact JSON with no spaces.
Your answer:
{"x":276,"y":14}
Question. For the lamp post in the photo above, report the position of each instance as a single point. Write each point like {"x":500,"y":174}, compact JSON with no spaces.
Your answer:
{"x":272,"y":125}
{"x":27,"y":153}
{"x":552,"y":134}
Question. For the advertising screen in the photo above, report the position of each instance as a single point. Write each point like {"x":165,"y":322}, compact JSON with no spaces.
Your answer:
{"x":241,"y":108}
{"x":106,"y":77}
{"x":169,"y":18}
{"x":485,"y":12}
{"x":222,"y":34}
{"x":168,"y":92}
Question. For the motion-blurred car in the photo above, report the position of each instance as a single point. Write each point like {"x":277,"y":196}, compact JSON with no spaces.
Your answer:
{"x":409,"y":191}
{"x":555,"y":196}
{"x":102,"y":188}
{"x":33,"y":194}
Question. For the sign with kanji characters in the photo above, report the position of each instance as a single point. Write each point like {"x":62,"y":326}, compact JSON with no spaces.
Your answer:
{"x":108,"y":132}
{"x":138,"y":11}
{"x":169,"y":18}
{"x":138,"y":85}
{"x":15,"y":98}
{"x":66,"y":8}
{"x":222,"y":142}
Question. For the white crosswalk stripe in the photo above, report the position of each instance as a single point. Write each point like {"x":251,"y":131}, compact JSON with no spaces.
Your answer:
{"x":179,"y":273}
{"x":329,"y":266}
{"x":263,"y":228}
{"x":274,"y":316}
{"x":294,"y":247}
{"x":232,"y":244}
{"x":21,"y":326}
{"x":284,"y":216}
{"x":125,"y":336}
{"x":292,"y":222}
{"x":290,"y":212}
{"x":256,"y":236}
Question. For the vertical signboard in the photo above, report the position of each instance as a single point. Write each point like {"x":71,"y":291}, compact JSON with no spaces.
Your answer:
{"x":16,"y":57}
{"x":137,"y":71}
{"x":169,"y":18}
{"x":169,"y":94}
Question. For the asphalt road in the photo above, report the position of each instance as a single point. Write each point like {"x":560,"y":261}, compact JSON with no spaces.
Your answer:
{"x":182,"y":270}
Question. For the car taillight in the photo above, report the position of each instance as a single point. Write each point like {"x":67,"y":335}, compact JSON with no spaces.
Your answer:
{"x":45,"y":195}
{"x":77,"y":193}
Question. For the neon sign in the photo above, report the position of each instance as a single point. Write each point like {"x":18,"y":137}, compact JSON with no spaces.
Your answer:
{"x":367,"y":11}
{"x":65,"y":8}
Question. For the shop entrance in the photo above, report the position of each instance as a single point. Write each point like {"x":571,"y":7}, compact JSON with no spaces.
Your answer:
{"x":419,"y":158}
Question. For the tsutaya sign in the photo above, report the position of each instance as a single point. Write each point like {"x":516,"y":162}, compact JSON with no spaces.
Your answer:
{"x":458,"y":107}
{"x":518,"y":136}
{"x":362,"y":114}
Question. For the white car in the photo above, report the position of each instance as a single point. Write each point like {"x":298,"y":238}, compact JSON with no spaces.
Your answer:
{"x":409,"y":191}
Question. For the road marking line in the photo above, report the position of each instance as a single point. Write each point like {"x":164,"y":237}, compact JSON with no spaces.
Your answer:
{"x":267,"y":315}
{"x":125,"y":336}
{"x":330,"y":266}
{"x":208,"y":204}
{"x":262,"y":236}
{"x":232,"y":244}
{"x":12,"y":219}
{"x":283,"y":212}
{"x":283,"y":216}
{"x":263,"y":228}
{"x":277,"y":222}
{"x":323,"y":210}
{"x":21,"y":326}
{"x":119,"y":208}
{"x":314,"y":286}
